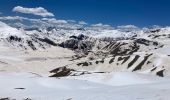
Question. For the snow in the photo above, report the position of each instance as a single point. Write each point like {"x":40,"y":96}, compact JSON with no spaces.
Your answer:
{"x":6,"y":30}
{"x":26,"y":85}
{"x":118,"y":78}
{"x":24,"y":74}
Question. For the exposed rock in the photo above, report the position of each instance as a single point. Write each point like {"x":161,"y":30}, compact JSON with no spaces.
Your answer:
{"x":61,"y":72}
{"x":48,"y":41}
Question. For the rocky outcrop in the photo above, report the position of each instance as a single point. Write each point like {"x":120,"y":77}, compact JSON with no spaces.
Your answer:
{"x":80,"y":43}
{"x":134,"y":63}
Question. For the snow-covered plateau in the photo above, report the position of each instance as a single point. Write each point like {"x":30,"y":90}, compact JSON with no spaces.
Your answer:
{"x":70,"y":61}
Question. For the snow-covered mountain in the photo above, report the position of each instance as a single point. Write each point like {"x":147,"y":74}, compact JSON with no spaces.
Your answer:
{"x":122,"y":48}
{"x":110,"y":57}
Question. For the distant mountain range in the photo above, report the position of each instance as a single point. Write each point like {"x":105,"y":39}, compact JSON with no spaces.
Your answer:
{"x":122,"y":48}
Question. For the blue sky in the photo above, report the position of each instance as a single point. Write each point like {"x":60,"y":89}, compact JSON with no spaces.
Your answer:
{"x":113,"y":12}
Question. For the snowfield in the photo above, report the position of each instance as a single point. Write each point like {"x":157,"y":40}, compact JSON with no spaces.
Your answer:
{"x":21,"y":86}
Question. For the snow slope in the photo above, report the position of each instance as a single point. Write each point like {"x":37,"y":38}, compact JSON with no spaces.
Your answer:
{"x":23,"y":85}
{"x":6,"y":30}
